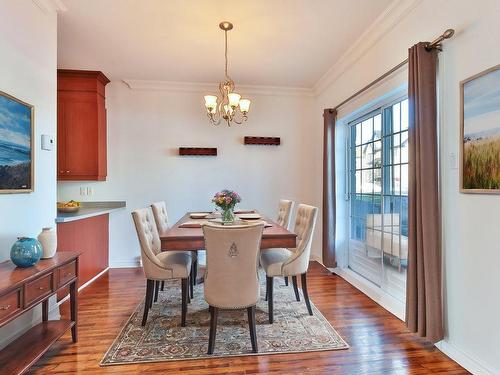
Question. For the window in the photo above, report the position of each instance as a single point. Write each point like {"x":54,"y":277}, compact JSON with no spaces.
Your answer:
{"x":378,"y":194}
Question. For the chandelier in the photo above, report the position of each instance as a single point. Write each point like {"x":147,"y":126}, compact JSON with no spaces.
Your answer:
{"x":230,"y":107}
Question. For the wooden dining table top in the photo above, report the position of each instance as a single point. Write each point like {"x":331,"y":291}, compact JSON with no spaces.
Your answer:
{"x":178,"y":238}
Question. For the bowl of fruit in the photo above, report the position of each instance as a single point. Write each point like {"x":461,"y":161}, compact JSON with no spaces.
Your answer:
{"x":68,"y":207}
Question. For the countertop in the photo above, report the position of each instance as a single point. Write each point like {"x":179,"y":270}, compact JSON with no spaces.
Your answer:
{"x":90,"y":209}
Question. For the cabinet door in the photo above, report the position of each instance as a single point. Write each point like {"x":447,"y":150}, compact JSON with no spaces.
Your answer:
{"x":80,"y":134}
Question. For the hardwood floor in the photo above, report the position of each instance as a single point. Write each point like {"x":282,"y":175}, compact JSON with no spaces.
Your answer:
{"x":380,"y":343}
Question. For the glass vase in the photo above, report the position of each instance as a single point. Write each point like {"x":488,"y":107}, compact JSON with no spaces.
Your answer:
{"x":228,"y":215}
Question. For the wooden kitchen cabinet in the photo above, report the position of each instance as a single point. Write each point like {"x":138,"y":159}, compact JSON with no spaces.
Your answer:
{"x":81,"y":125}
{"x":90,"y":237}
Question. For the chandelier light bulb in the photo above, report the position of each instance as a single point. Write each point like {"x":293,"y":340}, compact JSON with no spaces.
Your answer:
{"x":234,"y":99}
{"x":244,"y":105}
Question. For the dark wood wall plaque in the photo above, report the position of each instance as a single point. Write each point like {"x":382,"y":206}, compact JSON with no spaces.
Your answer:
{"x":271,"y":141}
{"x":197,"y":151}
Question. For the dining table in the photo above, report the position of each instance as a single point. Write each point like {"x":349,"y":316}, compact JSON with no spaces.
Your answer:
{"x":187,"y":234}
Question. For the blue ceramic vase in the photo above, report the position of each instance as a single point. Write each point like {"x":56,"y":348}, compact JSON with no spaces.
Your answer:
{"x":26,"y":252}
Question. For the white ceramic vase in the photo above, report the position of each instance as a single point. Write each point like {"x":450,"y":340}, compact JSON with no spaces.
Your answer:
{"x":48,"y":239}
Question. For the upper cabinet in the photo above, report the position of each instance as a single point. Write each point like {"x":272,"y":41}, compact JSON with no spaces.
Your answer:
{"x":81,"y":125}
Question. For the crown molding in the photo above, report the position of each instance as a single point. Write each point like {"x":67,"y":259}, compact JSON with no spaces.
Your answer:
{"x":51,"y":6}
{"x":384,"y":23}
{"x":202,"y":87}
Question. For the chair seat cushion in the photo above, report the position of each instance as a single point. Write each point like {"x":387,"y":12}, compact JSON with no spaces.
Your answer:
{"x":272,"y":260}
{"x":179,"y":262}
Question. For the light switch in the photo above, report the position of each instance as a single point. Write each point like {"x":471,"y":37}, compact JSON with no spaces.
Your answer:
{"x":47,"y":142}
{"x":453,"y":160}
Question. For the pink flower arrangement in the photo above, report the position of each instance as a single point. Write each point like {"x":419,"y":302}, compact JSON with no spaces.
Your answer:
{"x":226,"y":199}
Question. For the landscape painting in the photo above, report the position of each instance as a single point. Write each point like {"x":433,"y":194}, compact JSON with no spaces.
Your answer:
{"x":16,"y":145}
{"x":481,"y":132}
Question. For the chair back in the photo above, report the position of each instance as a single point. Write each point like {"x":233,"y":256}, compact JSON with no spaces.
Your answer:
{"x":305,"y":221}
{"x":231,"y":276}
{"x":160,"y":215}
{"x":285,"y":213}
{"x":148,"y":239}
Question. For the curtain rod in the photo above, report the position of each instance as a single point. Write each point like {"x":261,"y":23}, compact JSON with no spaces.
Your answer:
{"x":435,"y":44}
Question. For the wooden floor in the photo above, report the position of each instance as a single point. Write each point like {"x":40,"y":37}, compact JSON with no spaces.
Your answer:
{"x":380,"y":343}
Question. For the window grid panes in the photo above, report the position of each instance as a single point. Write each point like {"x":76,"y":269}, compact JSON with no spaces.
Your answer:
{"x":378,"y":170}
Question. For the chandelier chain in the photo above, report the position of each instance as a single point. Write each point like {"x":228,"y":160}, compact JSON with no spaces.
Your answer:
{"x":225,"y":54}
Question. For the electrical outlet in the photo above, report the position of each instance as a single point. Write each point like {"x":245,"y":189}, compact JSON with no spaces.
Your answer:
{"x":83,"y":191}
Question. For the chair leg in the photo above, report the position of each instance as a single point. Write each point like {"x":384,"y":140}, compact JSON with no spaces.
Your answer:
{"x":251,"y":325}
{"x":295,"y":287}
{"x":269,"y":285}
{"x":149,"y":297}
{"x":286,"y":280}
{"x":213,"y":329}
{"x":184,"y":291}
{"x":304,"y":290}
{"x":152,"y":294}
{"x":195,"y":270}
{"x":157,"y":289}
{"x":191,"y":283}
{"x":162,"y":285}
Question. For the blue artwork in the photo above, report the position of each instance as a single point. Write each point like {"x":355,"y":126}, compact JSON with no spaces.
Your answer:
{"x":15,"y":145}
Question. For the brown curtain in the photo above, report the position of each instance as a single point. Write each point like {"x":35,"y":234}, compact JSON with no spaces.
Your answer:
{"x":423,"y":289}
{"x":329,"y":117}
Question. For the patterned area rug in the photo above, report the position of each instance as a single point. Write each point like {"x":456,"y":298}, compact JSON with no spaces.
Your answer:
{"x":163,"y":339}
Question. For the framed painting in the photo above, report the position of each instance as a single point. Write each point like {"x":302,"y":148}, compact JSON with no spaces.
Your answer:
{"x":16,"y":145}
{"x":480,"y":133}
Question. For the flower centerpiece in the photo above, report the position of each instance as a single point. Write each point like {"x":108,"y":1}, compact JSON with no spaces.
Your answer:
{"x":226,"y":200}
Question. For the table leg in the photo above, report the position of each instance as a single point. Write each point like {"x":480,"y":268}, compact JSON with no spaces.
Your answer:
{"x":73,"y":297}
{"x":45,"y":310}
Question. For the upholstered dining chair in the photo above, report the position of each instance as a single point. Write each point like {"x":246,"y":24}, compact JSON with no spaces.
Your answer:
{"x":162,"y":224}
{"x":231,"y":278}
{"x":292,"y":262}
{"x":285,"y":209}
{"x":157,"y":265}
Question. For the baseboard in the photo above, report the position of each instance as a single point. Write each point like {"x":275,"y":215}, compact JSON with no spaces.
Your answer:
{"x":316,"y":258}
{"x":124,"y":264}
{"x":371,"y":290}
{"x":86,"y":284}
{"x":463,"y":359}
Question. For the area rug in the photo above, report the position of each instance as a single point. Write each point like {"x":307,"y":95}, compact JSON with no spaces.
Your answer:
{"x":163,"y":339}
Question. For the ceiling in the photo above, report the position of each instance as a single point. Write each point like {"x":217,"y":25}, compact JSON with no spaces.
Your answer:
{"x":289,"y":43}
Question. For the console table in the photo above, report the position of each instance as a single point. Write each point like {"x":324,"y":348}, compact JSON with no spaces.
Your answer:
{"x":21,"y":289}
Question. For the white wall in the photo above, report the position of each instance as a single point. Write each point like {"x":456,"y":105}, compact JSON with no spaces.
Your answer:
{"x":28,"y":39}
{"x":470,"y":222}
{"x":145,"y":129}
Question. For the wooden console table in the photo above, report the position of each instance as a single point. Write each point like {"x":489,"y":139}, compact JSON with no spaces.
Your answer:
{"x":21,"y":289}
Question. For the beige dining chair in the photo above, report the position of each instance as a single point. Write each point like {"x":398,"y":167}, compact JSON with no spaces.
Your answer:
{"x":231,"y":278}
{"x":162,"y":224}
{"x":157,"y":265}
{"x":292,"y":262}
{"x":285,"y":209}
